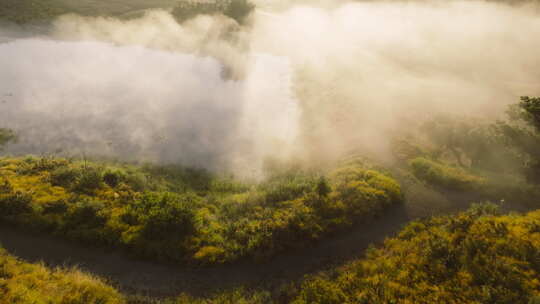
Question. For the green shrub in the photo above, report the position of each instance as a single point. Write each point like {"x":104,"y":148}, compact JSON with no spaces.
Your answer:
{"x":86,"y":214}
{"x":55,"y":207}
{"x":15,"y":203}
{"x":33,"y":166}
{"x":64,"y":177}
{"x":323,"y":291}
{"x":364,"y":192}
{"x":165,"y":215}
{"x":444,"y":176}
{"x":112,"y":178}
{"x":89,"y":180}
{"x":6,"y":136}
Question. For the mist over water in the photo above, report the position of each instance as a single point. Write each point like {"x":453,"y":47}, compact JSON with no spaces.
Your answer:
{"x":314,"y":81}
{"x":93,"y":98}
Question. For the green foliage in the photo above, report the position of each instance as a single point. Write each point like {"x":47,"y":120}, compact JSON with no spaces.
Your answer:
{"x":235,"y":296}
{"x":112,"y":178}
{"x":322,"y":188}
{"x":473,"y":257}
{"x":468,"y":142}
{"x":23,"y":283}
{"x":444,"y":176}
{"x":522,"y":132}
{"x":85,"y":214}
{"x":13,"y":202}
{"x":63,"y":177}
{"x":6,"y":136}
{"x":28,"y":11}
{"x":88,"y":181}
{"x":528,"y":110}
{"x":237,"y":10}
{"x":165,"y":215}
{"x":175,"y":213}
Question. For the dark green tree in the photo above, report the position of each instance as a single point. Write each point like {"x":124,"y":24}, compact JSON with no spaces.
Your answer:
{"x":322,"y":188}
{"x":6,"y":136}
{"x":238,"y":10}
{"x":522,"y":132}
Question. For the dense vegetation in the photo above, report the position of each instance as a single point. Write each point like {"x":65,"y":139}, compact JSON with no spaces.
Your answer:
{"x":237,"y":10}
{"x":23,"y":283}
{"x":6,"y":136}
{"x":28,"y":11}
{"x":38,"y":11}
{"x":478,"y":256}
{"x":444,"y":176}
{"x":489,"y":160}
{"x":188,"y":215}
{"x":473,"y":257}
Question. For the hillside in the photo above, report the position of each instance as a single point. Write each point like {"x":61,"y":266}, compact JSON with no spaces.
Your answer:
{"x":269,"y":151}
{"x":173,"y":213}
{"x":473,"y":257}
{"x":22,"y":283}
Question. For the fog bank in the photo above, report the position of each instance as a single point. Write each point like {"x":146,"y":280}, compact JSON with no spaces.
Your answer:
{"x":311,"y":81}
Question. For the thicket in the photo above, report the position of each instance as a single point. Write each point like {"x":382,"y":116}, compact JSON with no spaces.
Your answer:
{"x":24,"y":283}
{"x":473,"y":257}
{"x":189,"y":215}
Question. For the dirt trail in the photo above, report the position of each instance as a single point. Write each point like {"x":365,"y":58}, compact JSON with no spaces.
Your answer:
{"x":159,"y":280}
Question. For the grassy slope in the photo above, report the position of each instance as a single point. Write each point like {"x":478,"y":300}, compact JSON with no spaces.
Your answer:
{"x":474,"y":257}
{"x":187,"y":215}
{"x":22,"y":283}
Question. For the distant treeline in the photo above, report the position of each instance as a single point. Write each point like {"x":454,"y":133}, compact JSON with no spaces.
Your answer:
{"x":39,"y":11}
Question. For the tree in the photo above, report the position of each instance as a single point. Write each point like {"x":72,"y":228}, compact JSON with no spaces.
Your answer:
{"x":6,"y":136}
{"x":522,"y":132}
{"x":28,"y":11}
{"x":238,"y":10}
{"x":472,"y":143}
{"x":322,"y":187}
{"x":528,"y":111}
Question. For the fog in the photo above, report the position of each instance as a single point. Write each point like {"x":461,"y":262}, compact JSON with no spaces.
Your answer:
{"x":312,"y":82}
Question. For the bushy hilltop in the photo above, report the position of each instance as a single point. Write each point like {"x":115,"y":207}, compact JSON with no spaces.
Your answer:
{"x":23,"y":283}
{"x":188,"y":215}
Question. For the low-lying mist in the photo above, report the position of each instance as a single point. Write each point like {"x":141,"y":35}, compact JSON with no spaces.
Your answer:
{"x":313,"y":82}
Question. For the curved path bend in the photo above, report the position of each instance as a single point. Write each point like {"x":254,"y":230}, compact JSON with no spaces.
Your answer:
{"x":161,"y":280}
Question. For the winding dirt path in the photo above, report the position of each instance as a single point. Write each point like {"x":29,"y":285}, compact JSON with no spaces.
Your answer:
{"x":159,"y":280}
